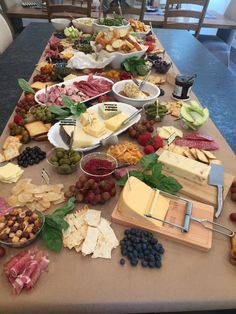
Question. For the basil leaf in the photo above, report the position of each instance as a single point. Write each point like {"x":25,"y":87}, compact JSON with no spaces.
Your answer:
{"x":58,"y":110}
{"x":67,"y":101}
{"x":170,"y":185}
{"x":148,"y":161}
{"x":52,"y":237}
{"x":156,"y":170}
{"x":25,"y":86}
{"x":134,"y":173}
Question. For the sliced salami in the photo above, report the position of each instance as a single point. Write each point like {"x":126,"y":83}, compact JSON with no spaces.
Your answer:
{"x":198,"y":137}
{"x":206,"y":145}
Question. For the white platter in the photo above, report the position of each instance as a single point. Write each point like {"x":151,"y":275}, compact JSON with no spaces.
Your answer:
{"x":56,"y":140}
{"x":70,"y":82}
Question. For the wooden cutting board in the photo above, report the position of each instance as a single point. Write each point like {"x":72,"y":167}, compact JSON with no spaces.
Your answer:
{"x":203,"y":193}
{"x":197,"y":237}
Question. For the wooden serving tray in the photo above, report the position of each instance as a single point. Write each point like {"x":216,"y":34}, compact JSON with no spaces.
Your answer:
{"x":198,"y":237}
{"x":203,"y":193}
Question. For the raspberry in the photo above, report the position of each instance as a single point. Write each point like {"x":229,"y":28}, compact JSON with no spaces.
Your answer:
{"x":18,"y":119}
{"x":149,"y":149}
{"x":144,"y":138}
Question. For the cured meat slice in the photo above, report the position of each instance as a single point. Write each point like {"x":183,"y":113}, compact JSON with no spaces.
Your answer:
{"x":206,"y":145}
{"x":11,"y":263}
{"x":41,"y":266}
{"x":198,"y":137}
{"x":20,"y":265}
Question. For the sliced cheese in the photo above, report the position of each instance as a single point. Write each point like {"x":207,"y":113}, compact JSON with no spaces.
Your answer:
{"x":184,"y":167}
{"x":137,"y":199}
{"x":96,"y":129}
{"x":41,"y":85}
{"x":115,"y":122}
{"x":69,"y":77}
{"x":80,"y":139}
{"x":107,"y":111}
{"x":10,"y":173}
{"x":85,"y":116}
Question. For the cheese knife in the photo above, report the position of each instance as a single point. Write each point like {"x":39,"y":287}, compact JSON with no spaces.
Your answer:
{"x":216,"y":177}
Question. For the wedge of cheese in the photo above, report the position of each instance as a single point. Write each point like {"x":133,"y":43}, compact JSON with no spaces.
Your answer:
{"x":184,"y":167}
{"x":115,"y":122}
{"x":96,"y":129}
{"x":137,"y":199}
{"x":80,"y":139}
{"x":87,"y":117}
{"x":10,"y":173}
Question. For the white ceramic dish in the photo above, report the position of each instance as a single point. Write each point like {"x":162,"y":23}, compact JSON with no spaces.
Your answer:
{"x":85,"y":24}
{"x":152,"y":89}
{"x":70,"y":82}
{"x":56,"y":140}
{"x":104,"y":28}
{"x":120,"y":57}
{"x":60,"y":24}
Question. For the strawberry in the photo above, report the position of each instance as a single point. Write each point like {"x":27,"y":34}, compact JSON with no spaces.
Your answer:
{"x":150,"y":46}
{"x":157,"y":142}
{"x":151,"y":38}
{"x":149,"y":149}
{"x":144,"y":138}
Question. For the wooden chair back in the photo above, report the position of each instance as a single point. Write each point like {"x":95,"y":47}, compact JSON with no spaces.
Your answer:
{"x":179,"y":18}
{"x":137,"y":10}
{"x":74,"y":7}
{"x":6,"y":33}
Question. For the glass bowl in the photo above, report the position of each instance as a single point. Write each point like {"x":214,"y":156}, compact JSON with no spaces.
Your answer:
{"x":25,"y":224}
{"x":64,"y":161}
{"x":98,"y":166}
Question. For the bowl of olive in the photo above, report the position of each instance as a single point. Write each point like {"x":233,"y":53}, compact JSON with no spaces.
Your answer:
{"x":64,"y":161}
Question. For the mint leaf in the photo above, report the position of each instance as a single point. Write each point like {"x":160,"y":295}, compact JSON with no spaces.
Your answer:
{"x":67,"y":101}
{"x":169,"y":184}
{"x":25,"y":86}
{"x":148,"y":161}
{"x":134,"y":173}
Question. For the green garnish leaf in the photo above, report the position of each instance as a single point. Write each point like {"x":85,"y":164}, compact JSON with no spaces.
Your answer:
{"x":25,"y":86}
{"x":148,"y":161}
{"x":67,"y":101}
{"x":54,"y":224}
{"x":135,"y":173}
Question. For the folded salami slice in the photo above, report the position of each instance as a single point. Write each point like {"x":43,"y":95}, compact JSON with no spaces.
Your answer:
{"x":206,"y":145}
{"x":198,"y":137}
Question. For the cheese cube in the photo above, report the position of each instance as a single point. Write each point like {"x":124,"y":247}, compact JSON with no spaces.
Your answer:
{"x":115,"y":122}
{"x":96,"y":129}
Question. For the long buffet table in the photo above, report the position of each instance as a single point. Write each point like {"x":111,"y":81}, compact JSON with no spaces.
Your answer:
{"x":189,"y":279}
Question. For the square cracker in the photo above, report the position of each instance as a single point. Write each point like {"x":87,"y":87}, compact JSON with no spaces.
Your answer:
{"x":92,"y":217}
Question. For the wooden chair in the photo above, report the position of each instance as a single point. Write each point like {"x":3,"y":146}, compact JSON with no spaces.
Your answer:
{"x":76,"y":8}
{"x":179,"y":19}
{"x":127,"y":9}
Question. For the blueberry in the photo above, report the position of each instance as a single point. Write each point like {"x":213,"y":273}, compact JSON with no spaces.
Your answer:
{"x":31,"y":162}
{"x":140,"y":255}
{"x":28,"y":148}
{"x":158,"y":264}
{"x":144,"y":264}
{"x":124,"y":252}
{"x":135,"y":253}
{"x":153,"y":241}
{"x":133,"y":231}
{"x":130,"y":248}
{"x":151,"y":264}
{"x":162,"y":93}
{"x":129,"y":255}
{"x":151,"y":258}
{"x":161,"y":250}
{"x":25,"y":165}
{"x":122,"y":261}
{"x":134,"y":262}
{"x":126,"y":231}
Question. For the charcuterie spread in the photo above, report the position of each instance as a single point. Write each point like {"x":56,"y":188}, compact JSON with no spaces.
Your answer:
{"x":100,"y":134}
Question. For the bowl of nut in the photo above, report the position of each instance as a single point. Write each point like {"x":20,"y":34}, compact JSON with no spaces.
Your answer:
{"x":64,"y":161}
{"x":20,"y":227}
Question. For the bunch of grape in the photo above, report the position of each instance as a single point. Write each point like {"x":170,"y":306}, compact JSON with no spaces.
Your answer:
{"x":87,"y":190}
{"x":25,"y":103}
{"x":141,"y":127}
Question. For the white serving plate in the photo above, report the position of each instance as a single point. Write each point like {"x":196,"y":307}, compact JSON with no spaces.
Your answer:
{"x":70,"y":82}
{"x":55,"y":139}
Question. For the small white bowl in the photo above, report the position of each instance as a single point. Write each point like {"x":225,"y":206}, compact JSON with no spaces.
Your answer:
{"x":85,"y":24}
{"x":60,"y":24}
{"x":152,"y":89}
{"x":104,"y":28}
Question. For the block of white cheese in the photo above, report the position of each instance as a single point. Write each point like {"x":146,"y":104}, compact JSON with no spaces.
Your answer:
{"x":115,"y":122}
{"x":80,"y":138}
{"x":10,"y":173}
{"x":184,"y":167}
{"x":108,"y":110}
{"x":138,"y":199}
{"x":87,"y":117}
{"x":96,"y":129}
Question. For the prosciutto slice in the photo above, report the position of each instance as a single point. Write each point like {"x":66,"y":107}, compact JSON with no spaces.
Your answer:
{"x":24,"y":269}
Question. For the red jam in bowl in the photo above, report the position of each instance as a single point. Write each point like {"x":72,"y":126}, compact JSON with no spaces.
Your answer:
{"x":96,"y":167}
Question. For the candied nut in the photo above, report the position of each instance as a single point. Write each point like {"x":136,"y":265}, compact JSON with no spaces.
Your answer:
{"x":19,"y":219}
{"x":15,"y":239}
{"x":35,"y":229}
{"x":14,"y":229}
{"x":16,"y":224}
{"x":31,"y":221}
{"x":29,"y":228}
{"x":18,"y":233}
{"x":7,"y":230}
{"x":25,"y":234}
{"x":2,"y":225}
{"x":23,"y":240}
{"x":21,"y":226}
{"x":10,"y":223}
{"x":4,"y":237}
{"x":13,"y":218}
{"x":11,"y":234}
{"x":27,"y":218}
{"x":31,"y":235}
{"x":2,"y":218}
{"x":35,"y":215}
